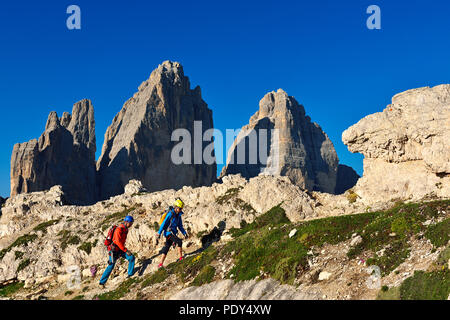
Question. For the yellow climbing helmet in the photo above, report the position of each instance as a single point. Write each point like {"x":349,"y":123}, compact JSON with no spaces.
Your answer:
{"x":178,"y":203}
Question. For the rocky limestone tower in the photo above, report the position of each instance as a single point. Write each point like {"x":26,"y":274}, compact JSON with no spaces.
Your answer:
{"x":301,"y":151}
{"x":406,"y":147}
{"x":138,"y":142}
{"x":64,"y":155}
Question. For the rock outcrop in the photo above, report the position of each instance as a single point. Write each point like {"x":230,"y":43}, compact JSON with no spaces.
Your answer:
{"x":21,"y":211}
{"x":138,"y":142}
{"x":297,"y":148}
{"x":406,"y":147}
{"x":134,"y":187}
{"x":64,"y":155}
{"x":267,"y":289}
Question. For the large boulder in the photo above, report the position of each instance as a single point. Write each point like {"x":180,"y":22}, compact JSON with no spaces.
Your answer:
{"x":138,"y":142}
{"x":406,"y":147}
{"x":64,"y":155}
{"x":296,"y":148}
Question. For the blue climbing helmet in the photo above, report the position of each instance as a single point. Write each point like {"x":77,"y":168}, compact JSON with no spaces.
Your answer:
{"x":129,"y":219}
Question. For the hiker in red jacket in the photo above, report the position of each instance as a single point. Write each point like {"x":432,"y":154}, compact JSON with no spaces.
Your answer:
{"x":118,"y":250}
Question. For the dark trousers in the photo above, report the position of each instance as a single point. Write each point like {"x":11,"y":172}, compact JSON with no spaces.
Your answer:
{"x":170,"y":240}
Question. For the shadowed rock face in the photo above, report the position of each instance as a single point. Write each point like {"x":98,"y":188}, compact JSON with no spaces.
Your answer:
{"x":406,"y":147}
{"x":64,"y":155}
{"x":138,"y":142}
{"x":346,"y":179}
{"x":304,"y":153}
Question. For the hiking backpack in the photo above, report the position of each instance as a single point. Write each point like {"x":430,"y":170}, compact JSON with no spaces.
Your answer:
{"x":164,"y":215}
{"x":109,"y":237}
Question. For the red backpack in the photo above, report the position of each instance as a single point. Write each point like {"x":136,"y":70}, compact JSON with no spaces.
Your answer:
{"x":109,"y":238}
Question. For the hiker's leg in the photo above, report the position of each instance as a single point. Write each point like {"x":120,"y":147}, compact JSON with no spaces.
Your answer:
{"x":165,"y":250}
{"x":109,"y":269}
{"x":179,"y":243}
{"x":131,"y":261}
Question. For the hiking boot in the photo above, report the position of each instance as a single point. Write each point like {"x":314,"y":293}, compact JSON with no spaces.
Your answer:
{"x":181,"y":258}
{"x":160,"y":266}
{"x":102,"y":285}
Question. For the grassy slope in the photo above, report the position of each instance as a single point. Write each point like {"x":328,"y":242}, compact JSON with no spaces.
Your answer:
{"x":264,"y":247}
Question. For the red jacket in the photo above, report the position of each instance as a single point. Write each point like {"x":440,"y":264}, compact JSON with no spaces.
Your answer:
{"x":120,"y":236}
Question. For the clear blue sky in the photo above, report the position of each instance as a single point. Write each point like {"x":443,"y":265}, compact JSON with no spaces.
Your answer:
{"x":318,"y":51}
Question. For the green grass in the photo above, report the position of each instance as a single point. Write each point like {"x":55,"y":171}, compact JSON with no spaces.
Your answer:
{"x":206,"y":275}
{"x":269,"y":251}
{"x":115,"y":218}
{"x":389,"y":294}
{"x":86,"y":247}
{"x":403,"y":220}
{"x":244,"y":206}
{"x":228,"y":195}
{"x":190,"y":267}
{"x":21,"y":241}
{"x":439,"y":234}
{"x":79,"y":297}
{"x":68,"y":293}
{"x":11,"y":289}
{"x":120,"y":291}
{"x":274,"y":216}
{"x":422,"y":285}
{"x":444,"y":257}
{"x":18,"y":255}
{"x":23,"y":264}
{"x":157,"y":277}
{"x":351,"y":196}
{"x":67,"y":239}
{"x":43,"y":226}
{"x":263,"y":247}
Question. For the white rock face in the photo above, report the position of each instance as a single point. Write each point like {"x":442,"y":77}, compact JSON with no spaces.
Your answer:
{"x":324,"y":275}
{"x":356,"y":240}
{"x":133,"y":187}
{"x":21,"y":210}
{"x":406,"y":147}
{"x":267,"y":289}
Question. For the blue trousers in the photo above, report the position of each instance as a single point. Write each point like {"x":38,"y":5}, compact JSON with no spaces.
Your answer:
{"x":113,"y":257}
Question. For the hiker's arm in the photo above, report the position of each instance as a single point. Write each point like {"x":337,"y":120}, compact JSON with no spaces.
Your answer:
{"x":182,"y":229}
